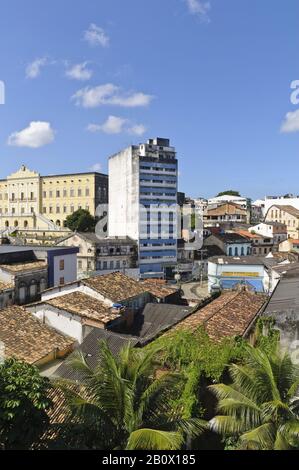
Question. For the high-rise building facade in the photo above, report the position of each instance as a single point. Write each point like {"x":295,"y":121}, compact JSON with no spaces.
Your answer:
{"x":143,"y":183}
{"x":29,"y":200}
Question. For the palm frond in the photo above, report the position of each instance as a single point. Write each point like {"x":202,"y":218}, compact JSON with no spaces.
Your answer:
{"x":262,"y":437}
{"x":153,"y":439}
{"x":192,"y":427}
{"x":227,"y":425}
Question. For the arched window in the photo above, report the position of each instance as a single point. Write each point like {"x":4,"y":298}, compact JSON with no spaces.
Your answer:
{"x":43,"y":284}
{"x":22,"y":293}
{"x":242,"y":251}
{"x":236,"y":251}
{"x":33,"y":289}
{"x":249,"y":250}
{"x":230,"y":252}
{"x":7,"y":224}
{"x":58,"y":223}
{"x":25,"y":224}
{"x":16,"y":223}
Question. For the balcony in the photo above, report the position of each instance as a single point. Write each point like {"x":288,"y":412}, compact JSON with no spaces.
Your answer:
{"x":22,"y":200}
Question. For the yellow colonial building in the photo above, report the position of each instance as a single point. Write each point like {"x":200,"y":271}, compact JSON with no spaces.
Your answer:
{"x":31,"y":201}
{"x":287,"y":215}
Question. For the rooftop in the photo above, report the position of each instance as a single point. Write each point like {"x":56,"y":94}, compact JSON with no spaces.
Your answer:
{"x":229,"y":315}
{"x":158,"y":288}
{"x":155,"y":319}
{"x":226,"y":208}
{"x":24,"y":267}
{"x":90,"y":350}
{"x":115,"y":286}
{"x":250,"y":235}
{"x":94,"y":239}
{"x":27,"y":339}
{"x":4,"y":249}
{"x":244,"y":260}
{"x":4,"y":286}
{"x":283,"y":307}
{"x":228,"y":197}
{"x":231,"y":237}
{"x":84,"y":306}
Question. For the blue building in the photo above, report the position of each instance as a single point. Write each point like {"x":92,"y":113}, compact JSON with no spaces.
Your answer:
{"x":143,"y":203}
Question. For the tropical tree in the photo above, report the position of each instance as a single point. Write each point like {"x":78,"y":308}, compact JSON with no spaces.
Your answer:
{"x":24,"y":403}
{"x":259,"y":409}
{"x":229,"y":192}
{"x":81,"y":221}
{"x":124,"y":403}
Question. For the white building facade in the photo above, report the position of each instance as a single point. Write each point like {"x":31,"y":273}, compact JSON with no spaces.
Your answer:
{"x":143,"y":203}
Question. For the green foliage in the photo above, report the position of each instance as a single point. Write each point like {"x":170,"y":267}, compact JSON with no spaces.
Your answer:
{"x":123,"y":403}
{"x":200,"y":360}
{"x":230,"y":192}
{"x":259,"y":409}
{"x":185,"y":348}
{"x":23,"y":404}
{"x":267,"y":337}
{"x":81,"y":221}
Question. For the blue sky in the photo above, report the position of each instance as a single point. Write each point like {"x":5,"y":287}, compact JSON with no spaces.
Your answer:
{"x":95,"y":76}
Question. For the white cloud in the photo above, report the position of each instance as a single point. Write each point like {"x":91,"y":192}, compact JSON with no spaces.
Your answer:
{"x":96,"y":36}
{"x":117,"y":125}
{"x":137,"y":129}
{"x":109,"y":94}
{"x":79,"y":72}
{"x":36,"y":135}
{"x":33,"y":69}
{"x":199,"y":8}
{"x":113,"y":125}
{"x":96,"y":167}
{"x":291,"y":122}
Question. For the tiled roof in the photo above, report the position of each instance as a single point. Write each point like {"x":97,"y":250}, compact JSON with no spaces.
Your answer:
{"x":228,"y":316}
{"x":24,"y":267}
{"x":92,"y":237}
{"x":226,"y":208}
{"x":5,"y":286}
{"x":26,"y":338}
{"x":250,"y":235}
{"x":90,"y":349}
{"x":154,"y":319}
{"x":229,"y":237}
{"x":158,"y":289}
{"x":115,"y":286}
{"x":84,"y":306}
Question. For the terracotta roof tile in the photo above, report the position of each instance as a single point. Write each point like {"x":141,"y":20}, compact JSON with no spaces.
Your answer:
{"x":23,"y":267}
{"x":26,"y":338}
{"x":229,"y":315}
{"x":115,"y":286}
{"x":5,"y":286}
{"x":158,"y":289}
{"x":84,"y":306}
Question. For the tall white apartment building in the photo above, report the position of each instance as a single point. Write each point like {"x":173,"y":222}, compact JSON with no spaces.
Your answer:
{"x":143,"y":202}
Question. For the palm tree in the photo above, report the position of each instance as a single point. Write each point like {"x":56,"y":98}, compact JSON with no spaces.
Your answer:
{"x":124,"y":404}
{"x":260,"y":407}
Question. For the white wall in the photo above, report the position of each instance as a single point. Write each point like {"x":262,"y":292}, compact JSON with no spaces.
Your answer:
{"x":6,"y":276}
{"x":62,"y":321}
{"x":123,"y":195}
{"x":215,"y":271}
{"x":75,"y":287}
